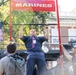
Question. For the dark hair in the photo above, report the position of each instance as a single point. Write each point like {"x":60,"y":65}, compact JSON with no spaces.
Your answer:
{"x":11,"y":48}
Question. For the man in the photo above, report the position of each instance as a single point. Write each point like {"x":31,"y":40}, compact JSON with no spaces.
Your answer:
{"x":61,"y":69}
{"x":34,"y":50}
{"x":5,"y":61}
{"x":70,"y":57}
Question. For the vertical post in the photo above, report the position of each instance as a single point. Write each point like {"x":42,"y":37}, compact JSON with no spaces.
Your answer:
{"x":10,"y":22}
{"x":58,"y":24}
{"x":59,"y":36}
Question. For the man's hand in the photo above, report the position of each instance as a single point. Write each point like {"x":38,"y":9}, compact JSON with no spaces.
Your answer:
{"x":46,"y":26}
{"x":22,"y":24}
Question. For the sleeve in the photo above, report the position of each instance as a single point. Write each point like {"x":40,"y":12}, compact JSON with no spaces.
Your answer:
{"x":25,"y":38}
{"x":1,"y":67}
{"x":42,"y":39}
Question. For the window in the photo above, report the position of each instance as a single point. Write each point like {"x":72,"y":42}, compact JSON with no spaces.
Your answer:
{"x":55,"y":36}
{"x":72,"y":34}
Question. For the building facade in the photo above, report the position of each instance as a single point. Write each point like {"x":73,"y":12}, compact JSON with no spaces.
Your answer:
{"x":67,"y":30}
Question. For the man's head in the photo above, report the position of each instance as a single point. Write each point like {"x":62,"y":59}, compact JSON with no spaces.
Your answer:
{"x":32,"y":32}
{"x":11,"y":48}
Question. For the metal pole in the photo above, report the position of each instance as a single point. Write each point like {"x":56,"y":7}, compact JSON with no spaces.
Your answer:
{"x":10,"y":22}
{"x":59,"y":36}
{"x":58,"y":20}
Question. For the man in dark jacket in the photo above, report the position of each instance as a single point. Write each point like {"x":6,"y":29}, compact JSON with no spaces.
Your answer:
{"x":34,"y":51}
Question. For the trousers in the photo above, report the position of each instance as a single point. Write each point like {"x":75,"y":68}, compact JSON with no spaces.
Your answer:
{"x":37,"y":59}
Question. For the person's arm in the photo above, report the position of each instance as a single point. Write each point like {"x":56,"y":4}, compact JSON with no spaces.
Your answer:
{"x":21,"y":31}
{"x":66,"y":53}
{"x":0,"y":73}
{"x":46,"y":35}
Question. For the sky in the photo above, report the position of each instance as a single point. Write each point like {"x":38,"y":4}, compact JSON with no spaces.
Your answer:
{"x":67,"y":5}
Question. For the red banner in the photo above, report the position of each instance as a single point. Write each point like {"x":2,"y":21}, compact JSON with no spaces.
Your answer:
{"x":33,"y":5}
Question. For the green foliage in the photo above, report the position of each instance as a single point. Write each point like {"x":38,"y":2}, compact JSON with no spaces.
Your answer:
{"x":22,"y":16}
{"x":17,"y":18}
{"x":40,"y":17}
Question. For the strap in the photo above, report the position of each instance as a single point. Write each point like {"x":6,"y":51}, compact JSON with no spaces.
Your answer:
{"x":18,"y":66}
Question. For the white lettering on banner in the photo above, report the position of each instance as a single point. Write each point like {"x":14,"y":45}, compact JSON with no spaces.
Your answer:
{"x":32,"y":5}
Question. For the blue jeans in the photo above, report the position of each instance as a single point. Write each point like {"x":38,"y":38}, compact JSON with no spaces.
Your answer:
{"x":35,"y":58}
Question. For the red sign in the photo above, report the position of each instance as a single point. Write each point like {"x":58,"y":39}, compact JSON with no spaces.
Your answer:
{"x":33,"y":5}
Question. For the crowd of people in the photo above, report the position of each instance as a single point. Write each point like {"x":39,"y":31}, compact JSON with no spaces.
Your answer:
{"x":35,"y":63}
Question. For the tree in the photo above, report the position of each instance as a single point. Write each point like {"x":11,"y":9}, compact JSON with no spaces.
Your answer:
{"x":17,"y":18}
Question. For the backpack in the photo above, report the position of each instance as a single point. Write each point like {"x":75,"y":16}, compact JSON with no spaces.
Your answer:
{"x":16,"y":65}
